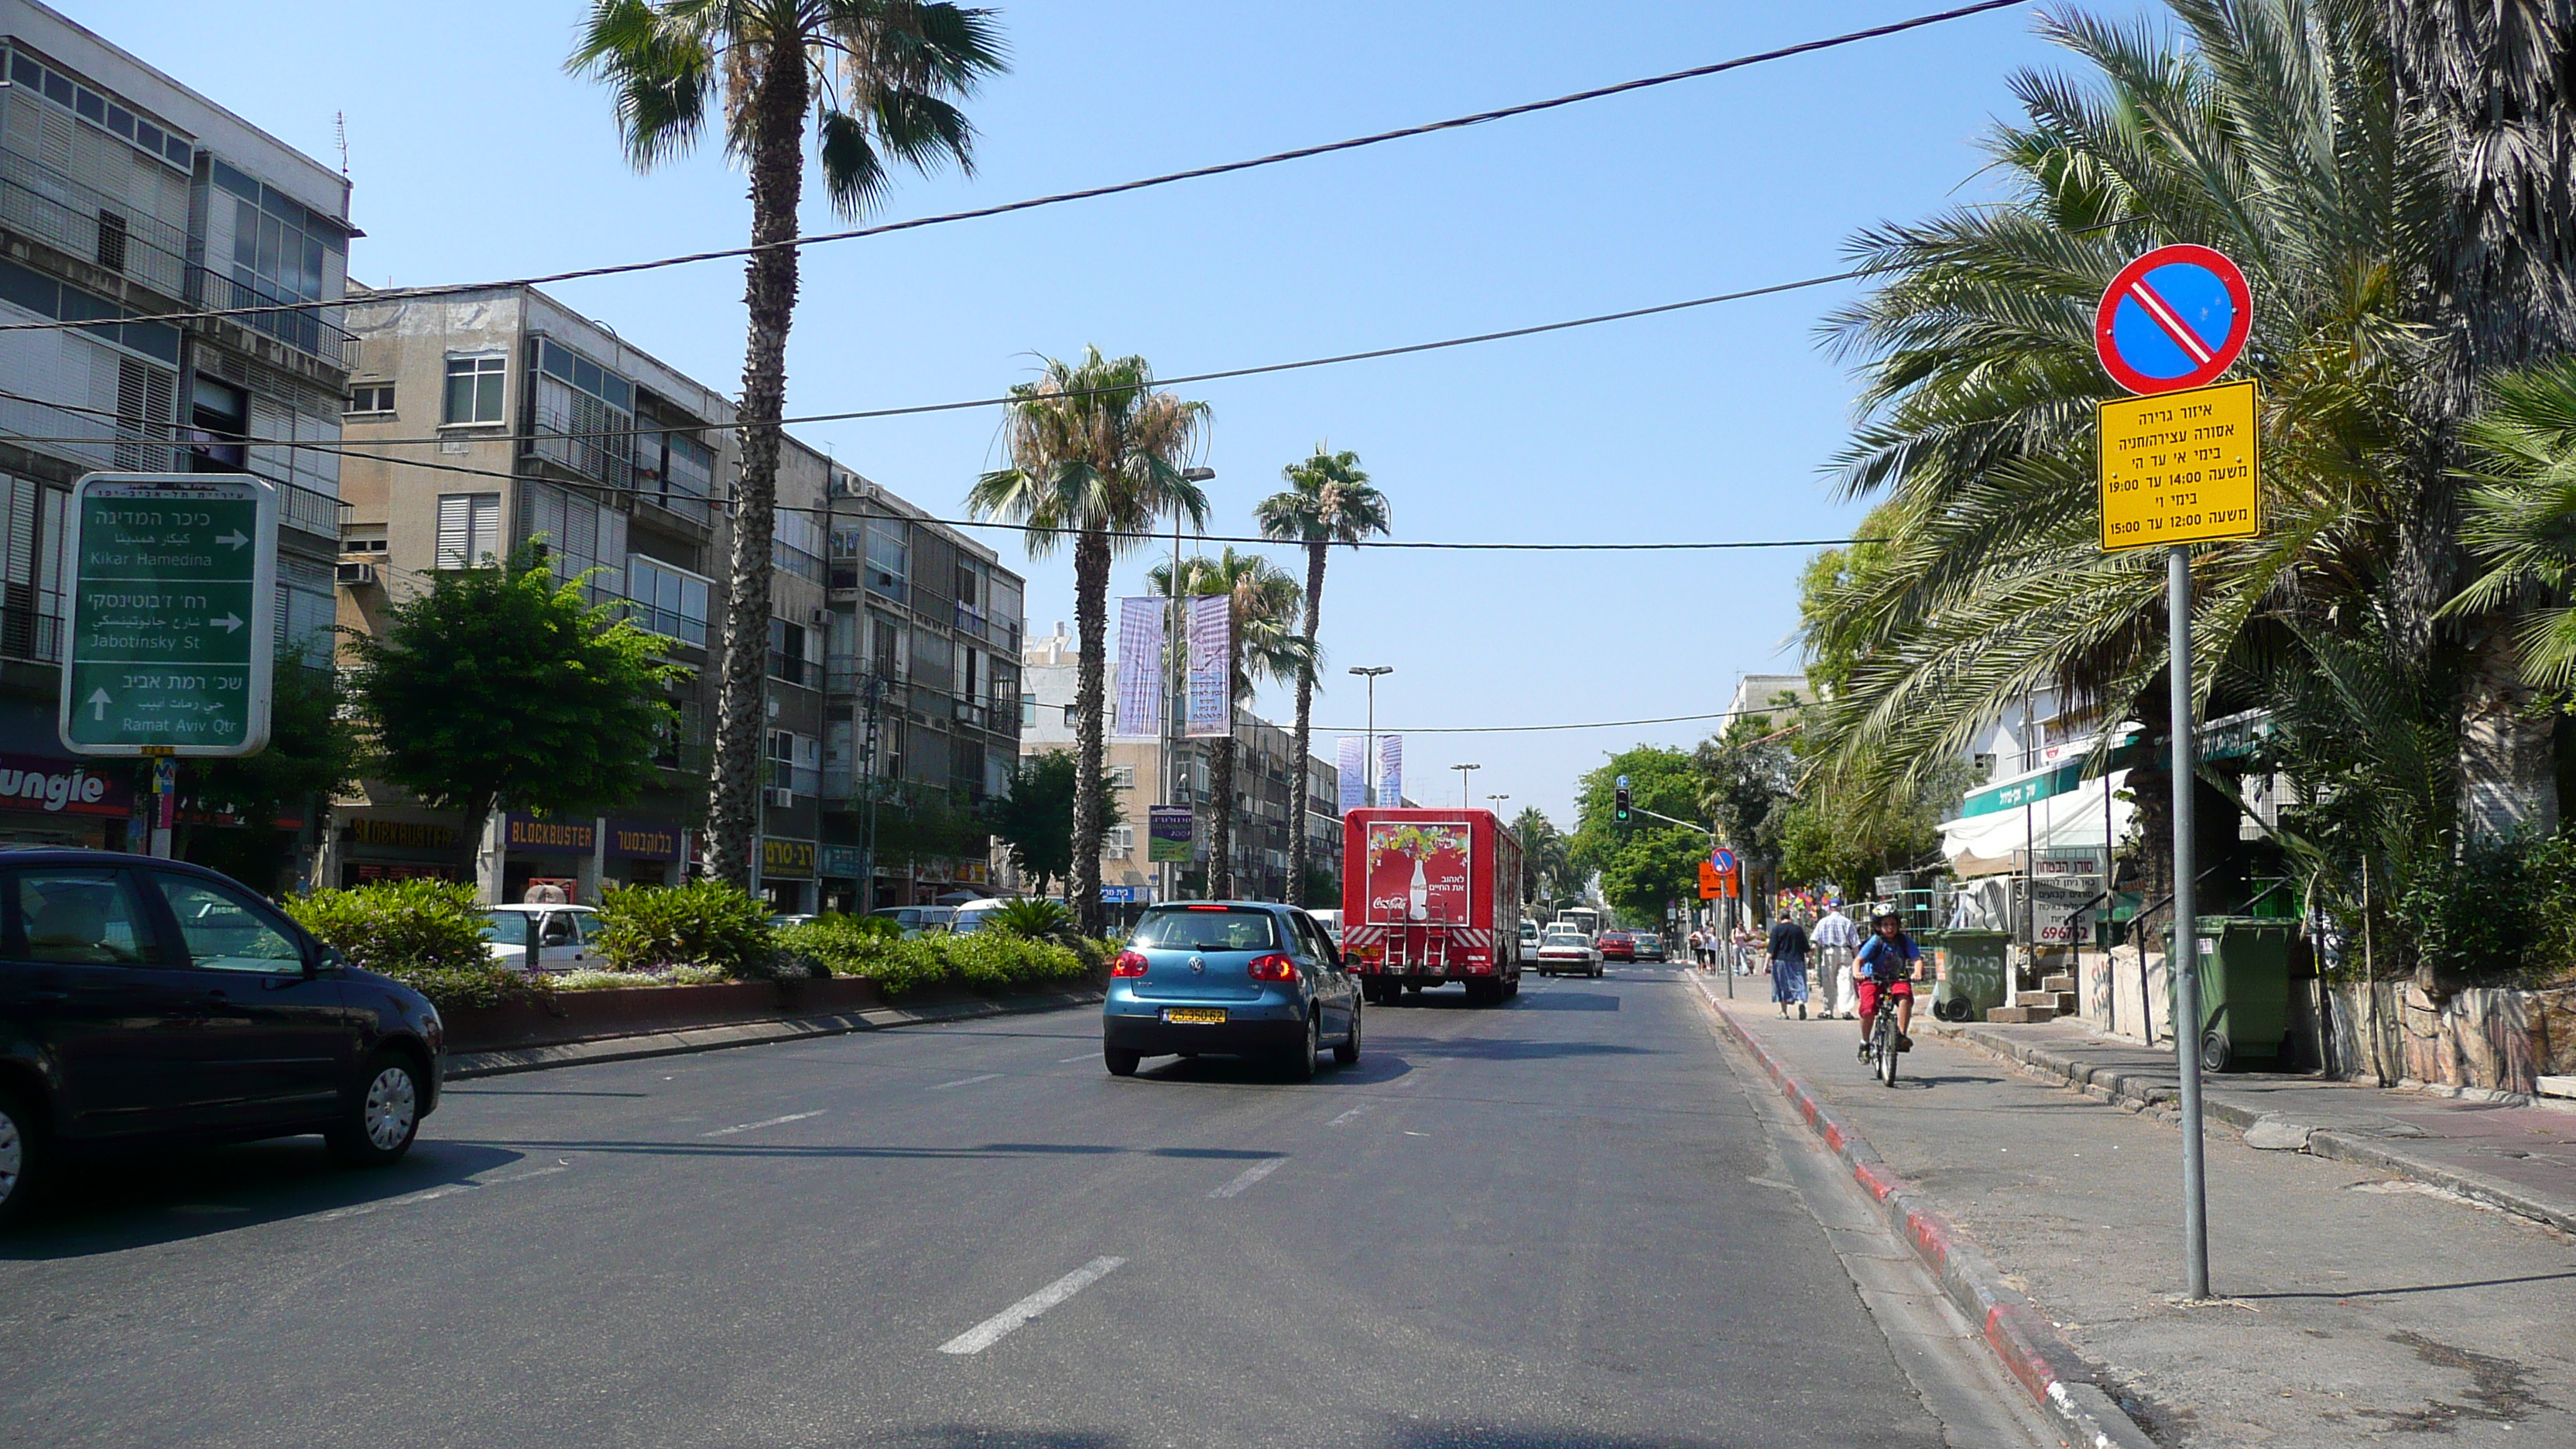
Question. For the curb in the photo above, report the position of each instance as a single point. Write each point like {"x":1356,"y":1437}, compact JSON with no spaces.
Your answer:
{"x":463,"y":1066}
{"x":2130,"y":1089}
{"x":2021,"y":1337}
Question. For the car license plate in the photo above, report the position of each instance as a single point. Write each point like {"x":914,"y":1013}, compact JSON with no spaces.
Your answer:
{"x":1196,"y":1015}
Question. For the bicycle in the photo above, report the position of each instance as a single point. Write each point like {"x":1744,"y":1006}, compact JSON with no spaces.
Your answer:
{"x":1883,"y":1048}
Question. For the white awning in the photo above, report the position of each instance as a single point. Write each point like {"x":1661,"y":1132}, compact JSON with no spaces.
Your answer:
{"x":1993,"y":844}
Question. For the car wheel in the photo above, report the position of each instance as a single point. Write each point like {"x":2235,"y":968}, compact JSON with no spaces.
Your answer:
{"x":1301,"y":1057}
{"x":1120,"y":1063}
{"x":23,"y":1160}
{"x":379,"y":1123}
{"x":1349,"y":1051}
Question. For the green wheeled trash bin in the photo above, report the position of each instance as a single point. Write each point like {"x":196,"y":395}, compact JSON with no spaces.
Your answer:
{"x":1969,"y":969}
{"x":2244,"y":990}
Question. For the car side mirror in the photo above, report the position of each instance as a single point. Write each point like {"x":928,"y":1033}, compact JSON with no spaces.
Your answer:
{"x":326,"y":961}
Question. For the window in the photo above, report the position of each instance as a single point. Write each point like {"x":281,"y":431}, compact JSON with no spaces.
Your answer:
{"x":1028,"y":712}
{"x":583,"y":415}
{"x":885,"y":647}
{"x":111,"y":240}
{"x":667,"y":600}
{"x":889,"y":558}
{"x":469,"y":529}
{"x":1122,"y":777}
{"x":1118,"y":840}
{"x":787,"y":653}
{"x":474,"y":389}
{"x":371,"y":397}
{"x":87,"y":917}
{"x":220,"y":415}
{"x":225,"y":930}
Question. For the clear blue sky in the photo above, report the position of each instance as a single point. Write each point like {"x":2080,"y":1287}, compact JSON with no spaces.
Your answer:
{"x":475,"y":157}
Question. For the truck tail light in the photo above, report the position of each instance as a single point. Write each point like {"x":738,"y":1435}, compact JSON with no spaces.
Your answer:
{"x":1129,"y":963}
{"x":1273,"y":967}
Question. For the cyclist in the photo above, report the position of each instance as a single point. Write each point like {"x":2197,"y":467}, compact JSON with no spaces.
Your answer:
{"x":1888,"y":956}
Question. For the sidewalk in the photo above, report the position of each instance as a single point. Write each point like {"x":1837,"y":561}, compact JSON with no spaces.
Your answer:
{"x":2519,"y":1158}
{"x":2357,"y":1307}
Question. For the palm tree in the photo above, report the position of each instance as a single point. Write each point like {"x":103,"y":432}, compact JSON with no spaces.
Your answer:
{"x":2273,"y":136}
{"x":1098,"y":453}
{"x":874,"y":80}
{"x":1328,"y":501}
{"x":1261,"y":602}
{"x":2491,"y":82}
{"x":2521,"y":519}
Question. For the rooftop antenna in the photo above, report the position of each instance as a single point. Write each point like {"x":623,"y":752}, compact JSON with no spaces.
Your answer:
{"x":340,"y":131}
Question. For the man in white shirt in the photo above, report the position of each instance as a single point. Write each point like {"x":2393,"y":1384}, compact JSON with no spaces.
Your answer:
{"x":1835,"y":937}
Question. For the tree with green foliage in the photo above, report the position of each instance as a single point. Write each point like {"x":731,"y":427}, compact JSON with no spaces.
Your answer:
{"x":870,"y":84}
{"x":311,"y":753}
{"x":1034,"y":821}
{"x":1748,"y":785}
{"x":1099,"y":453}
{"x":1328,"y":501}
{"x":502,"y":684}
{"x":1645,"y":863}
{"x":1547,"y":858}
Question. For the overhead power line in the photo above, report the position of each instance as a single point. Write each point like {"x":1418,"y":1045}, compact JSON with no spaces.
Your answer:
{"x":406,"y":294}
{"x":1602,"y":724}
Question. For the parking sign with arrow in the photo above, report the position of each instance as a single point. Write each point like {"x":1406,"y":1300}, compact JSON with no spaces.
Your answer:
{"x":173,"y":614}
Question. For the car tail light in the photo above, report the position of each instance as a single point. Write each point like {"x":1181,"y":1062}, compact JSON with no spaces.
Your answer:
{"x":1273,"y":967}
{"x":1129,"y":963}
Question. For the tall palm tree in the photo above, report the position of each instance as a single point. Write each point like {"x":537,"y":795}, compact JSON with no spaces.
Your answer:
{"x":2493,"y":83}
{"x":1098,"y":453}
{"x":2521,"y":519}
{"x":873,"y":80}
{"x":1328,"y":501}
{"x":2271,"y":134}
{"x":1261,"y":603}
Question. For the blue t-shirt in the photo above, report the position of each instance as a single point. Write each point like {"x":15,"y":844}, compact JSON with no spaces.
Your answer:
{"x":1880,"y":948}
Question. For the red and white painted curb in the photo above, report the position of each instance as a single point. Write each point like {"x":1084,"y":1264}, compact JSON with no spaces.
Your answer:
{"x":2022,"y":1338}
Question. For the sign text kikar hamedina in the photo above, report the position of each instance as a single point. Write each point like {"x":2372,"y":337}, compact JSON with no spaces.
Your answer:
{"x":172,"y":620}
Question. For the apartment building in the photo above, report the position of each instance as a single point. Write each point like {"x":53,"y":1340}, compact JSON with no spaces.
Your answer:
{"x":124,"y":194}
{"x":1267,"y":791}
{"x":924,"y":701}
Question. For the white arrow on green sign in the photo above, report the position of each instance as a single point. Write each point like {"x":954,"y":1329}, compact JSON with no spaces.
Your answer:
{"x":172,"y":625}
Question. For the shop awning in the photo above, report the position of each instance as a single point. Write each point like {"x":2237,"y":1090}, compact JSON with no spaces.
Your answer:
{"x":2068,"y":819}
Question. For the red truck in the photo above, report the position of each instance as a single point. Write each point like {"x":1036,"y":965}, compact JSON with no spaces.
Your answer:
{"x":1428,"y":897}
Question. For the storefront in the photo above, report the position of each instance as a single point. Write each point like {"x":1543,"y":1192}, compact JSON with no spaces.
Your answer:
{"x":838,"y":870}
{"x":642,"y":852}
{"x":787,"y":874}
{"x":555,"y":851}
{"x":58,"y":802}
{"x":378,"y":847}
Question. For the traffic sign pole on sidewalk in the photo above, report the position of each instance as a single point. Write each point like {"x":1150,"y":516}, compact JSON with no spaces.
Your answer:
{"x":2179,"y":464}
{"x":173,"y":615}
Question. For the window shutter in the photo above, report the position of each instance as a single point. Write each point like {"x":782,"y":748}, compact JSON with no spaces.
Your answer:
{"x":487,"y":526}
{"x":455,"y":530}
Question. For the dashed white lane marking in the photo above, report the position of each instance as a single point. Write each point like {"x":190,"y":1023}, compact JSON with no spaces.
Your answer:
{"x":1086,"y":1056}
{"x":359,"y":1210}
{"x":766,"y":1122}
{"x":1249,"y":1176}
{"x":994,"y":1329}
{"x":1347,"y":1116}
{"x":965,"y":1081}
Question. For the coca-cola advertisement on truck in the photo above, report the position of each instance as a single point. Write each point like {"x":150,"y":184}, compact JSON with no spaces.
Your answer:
{"x":1418,"y":872}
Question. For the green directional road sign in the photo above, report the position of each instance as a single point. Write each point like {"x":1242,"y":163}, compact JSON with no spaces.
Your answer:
{"x":172,"y":628}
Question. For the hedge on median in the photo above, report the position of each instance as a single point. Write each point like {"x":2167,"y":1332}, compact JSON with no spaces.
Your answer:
{"x":427,"y":934}
{"x":987,"y":960}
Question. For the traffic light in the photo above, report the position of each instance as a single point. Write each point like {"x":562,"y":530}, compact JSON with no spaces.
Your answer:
{"x":1619,"y":806}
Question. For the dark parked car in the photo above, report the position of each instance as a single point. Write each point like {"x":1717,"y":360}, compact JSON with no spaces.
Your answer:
{"x":1618,"y":946}
{"x":152,"y":1003}
{"x":1231,"y":978}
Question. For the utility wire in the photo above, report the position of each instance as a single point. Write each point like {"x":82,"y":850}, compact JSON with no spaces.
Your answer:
{"x":406,"y":294}
{"x":1604,"y":724}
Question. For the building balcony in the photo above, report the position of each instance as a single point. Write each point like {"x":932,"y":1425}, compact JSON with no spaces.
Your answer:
{"x":301,"y":324}
{"x":106,"y":231}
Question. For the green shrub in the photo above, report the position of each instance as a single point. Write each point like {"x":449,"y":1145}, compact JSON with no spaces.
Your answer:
{"x":707,"y":923}
{"x":426,"y":934}
{"x":987,"y":960}
{"x":2499,"y":913}
{"x":623,"y":980}
{"x":1035,"y":917}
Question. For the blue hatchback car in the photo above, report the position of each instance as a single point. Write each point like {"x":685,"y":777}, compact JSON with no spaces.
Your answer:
{"x":1240,"y":978}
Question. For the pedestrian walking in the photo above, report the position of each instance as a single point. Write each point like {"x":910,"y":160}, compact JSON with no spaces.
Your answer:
{"x":1835,"y":937}
{"x":1739,"y":957}
{"x":1789,"y":966}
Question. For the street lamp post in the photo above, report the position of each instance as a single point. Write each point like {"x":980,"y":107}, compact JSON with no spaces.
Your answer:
{"x":1368,"y":749}
{"x":1175,"y":687}
{"x":1465,"y":774}
{"x":1498,"y":804}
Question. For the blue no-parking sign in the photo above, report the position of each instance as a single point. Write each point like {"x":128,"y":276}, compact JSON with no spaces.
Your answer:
{"x":2175,"y":318}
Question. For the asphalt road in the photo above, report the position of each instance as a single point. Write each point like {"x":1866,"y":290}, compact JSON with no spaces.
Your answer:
{"x":1565,"y":1221}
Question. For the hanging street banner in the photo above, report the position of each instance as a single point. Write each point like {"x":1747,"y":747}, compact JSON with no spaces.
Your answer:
{"x":2181,"y":467}
{"x":173,"y":614}
{"x":1167,"y":834}
{"x":1210,"y":714}
{"x":1140,"y":667}
{"x":1390,"y":770}
{"x":1350,"y":763}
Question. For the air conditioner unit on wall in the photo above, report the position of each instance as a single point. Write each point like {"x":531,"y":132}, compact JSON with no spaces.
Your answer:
{"x":822,"y":618}
{"x":353,"y":575}
{"x":780,"y":796}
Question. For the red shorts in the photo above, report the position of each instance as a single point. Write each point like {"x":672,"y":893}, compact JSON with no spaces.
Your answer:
{"x":1869,"y":994}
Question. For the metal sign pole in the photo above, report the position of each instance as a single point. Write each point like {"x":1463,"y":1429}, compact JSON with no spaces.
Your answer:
{"x":2183,"y":960}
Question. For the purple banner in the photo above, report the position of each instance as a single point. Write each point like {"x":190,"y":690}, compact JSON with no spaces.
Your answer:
{"x":1211,"y":702}
{"x":1390,"y":769}
{"x":1140,"y":666}
{"x":1352,"y":763}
